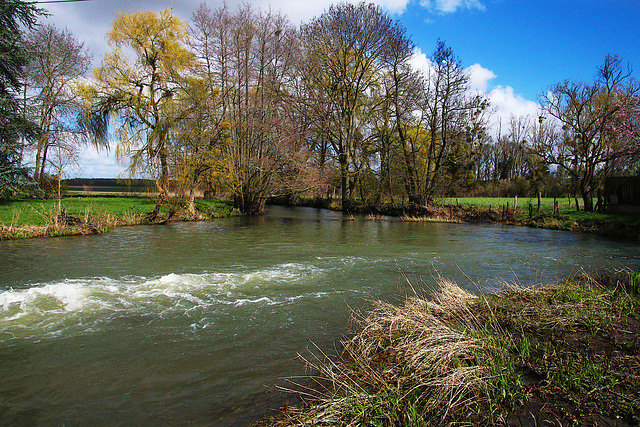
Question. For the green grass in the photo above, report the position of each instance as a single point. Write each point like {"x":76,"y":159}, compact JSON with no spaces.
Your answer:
{"x":634,"y":282}
{"x":619,"y":225}
{"x":216,"y":208}
{"x":27,"y":218}
{"x":23,"y":212}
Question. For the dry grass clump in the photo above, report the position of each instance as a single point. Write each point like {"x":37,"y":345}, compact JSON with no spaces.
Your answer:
{"x":412,"y":218}
{"x":375,"y":217}
{"x":556,"y":354}
{"x":415,"y":364}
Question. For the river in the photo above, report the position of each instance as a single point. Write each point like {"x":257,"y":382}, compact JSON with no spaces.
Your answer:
{"x":197,"y":322}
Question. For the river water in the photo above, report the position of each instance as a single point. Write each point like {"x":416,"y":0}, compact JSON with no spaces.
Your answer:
{"x":194,"y":323}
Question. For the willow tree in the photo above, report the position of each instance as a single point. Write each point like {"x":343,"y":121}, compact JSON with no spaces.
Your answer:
{"x":136,"y":84}
{"x":346,"y":50}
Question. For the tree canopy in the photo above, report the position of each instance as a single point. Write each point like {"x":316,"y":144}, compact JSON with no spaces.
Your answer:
{"x":15,"y":128}
{"x":242,"y":104}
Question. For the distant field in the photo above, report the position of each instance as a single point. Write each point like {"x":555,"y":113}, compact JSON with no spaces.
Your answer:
{"x":498,"y":202}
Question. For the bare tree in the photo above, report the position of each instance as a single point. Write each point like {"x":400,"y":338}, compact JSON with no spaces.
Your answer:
{"x":248,"y":58}
{"x":582,"y":148}
{"x":449,"y":111}
{"x":57,"y":63}
{"x":346,"y":48}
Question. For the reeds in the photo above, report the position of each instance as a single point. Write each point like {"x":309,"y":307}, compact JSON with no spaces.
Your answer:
{"x":412,"y":218}
{"x":375,"y":217}
{"x":422,"y":363}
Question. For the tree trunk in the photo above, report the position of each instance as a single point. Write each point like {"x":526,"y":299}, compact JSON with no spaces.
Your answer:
{"x":249,"y":204}
{"x":587,"y":201}
{"x":347,"y":198}
{"x":192,"y":203}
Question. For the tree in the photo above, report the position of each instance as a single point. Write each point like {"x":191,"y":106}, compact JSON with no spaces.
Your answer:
{"x":346,"y":48}
{"x":450,"y":111}
{"x":198,"y":141}
{"x":58,"y":61}
{"x":248,"y":59}
{"x":590,"y":141}
{"x":540,"y":136}
{"x":397,"y":126}
{"x":137,"y":83}
{"x":14,"y":126}
{"x":623,"y":130}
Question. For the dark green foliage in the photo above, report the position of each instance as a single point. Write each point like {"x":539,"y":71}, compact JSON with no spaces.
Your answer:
{"x":14,"y":128}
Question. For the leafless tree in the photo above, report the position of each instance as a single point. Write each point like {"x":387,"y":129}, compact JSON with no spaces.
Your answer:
{"x":57,"y":63}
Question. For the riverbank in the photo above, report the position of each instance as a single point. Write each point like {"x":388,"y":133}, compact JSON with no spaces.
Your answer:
{"x":73,"y":216}
{"x":552,"y":214}
{"x":554,"y":355}
{"x":81,"y":215}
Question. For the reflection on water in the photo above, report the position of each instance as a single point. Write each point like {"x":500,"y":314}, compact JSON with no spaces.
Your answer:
{"x":194,"y":322}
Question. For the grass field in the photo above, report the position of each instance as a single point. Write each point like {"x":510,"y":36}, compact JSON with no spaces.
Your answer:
{"x":566,"y":210}
{"x":26,"y":218}
{"x":546,"y":206}
{"x":38,"y":212}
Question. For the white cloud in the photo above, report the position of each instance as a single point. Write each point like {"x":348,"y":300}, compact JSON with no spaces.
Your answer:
{"x":479,"y":77}
{"x":506,"y":103}
{"x":450,"y":6}
{"x":420,"y":62}
{"x":303,"y":11}
{"x":94,"y":163}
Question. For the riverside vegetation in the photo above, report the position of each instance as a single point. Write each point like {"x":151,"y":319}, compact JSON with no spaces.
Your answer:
{"x":553,"y":355}
{"x":27,"y":218}
{"x":81,"y":215}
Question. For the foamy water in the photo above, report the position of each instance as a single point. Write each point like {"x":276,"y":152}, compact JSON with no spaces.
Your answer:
{"x":79,"y":305}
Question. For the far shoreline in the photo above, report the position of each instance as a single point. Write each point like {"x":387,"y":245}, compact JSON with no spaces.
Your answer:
{"x":99,"y":219}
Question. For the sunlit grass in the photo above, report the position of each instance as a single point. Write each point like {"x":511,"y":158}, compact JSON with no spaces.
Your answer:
{"x":36,"y":212}
{"x":27,"y":218}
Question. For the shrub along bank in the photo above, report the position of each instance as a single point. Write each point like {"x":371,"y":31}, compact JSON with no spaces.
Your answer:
{"x":567,"y":354}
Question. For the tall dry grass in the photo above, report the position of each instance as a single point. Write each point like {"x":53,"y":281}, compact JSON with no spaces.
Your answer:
{"x":426,"y":362}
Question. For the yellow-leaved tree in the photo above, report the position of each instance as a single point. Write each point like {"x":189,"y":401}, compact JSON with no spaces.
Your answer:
{"x":136,"y":85}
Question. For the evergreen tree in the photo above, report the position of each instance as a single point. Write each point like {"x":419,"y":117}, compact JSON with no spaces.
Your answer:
{"x":14,"y":127}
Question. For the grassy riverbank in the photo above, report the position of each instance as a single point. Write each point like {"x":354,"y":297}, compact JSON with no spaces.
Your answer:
{"x":563,"y":216}
{"x":567,"y":354}
{"x":26,"y":218}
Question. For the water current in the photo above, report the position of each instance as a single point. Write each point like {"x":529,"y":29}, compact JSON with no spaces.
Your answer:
{"x":197,"y":322}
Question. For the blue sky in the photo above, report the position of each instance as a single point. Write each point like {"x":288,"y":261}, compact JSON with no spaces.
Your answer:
{"x":516,"y":49}
{"x":530,"y":45}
